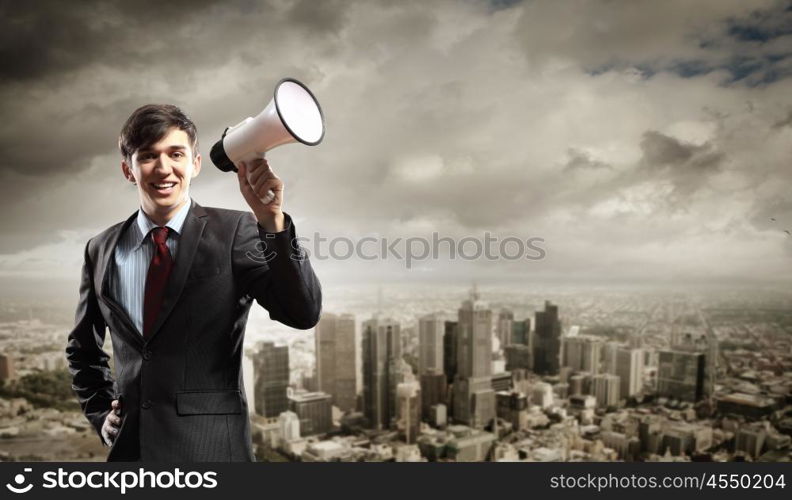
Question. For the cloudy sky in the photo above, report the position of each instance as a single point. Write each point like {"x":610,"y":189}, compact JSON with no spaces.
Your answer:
{"x":644,"y":141}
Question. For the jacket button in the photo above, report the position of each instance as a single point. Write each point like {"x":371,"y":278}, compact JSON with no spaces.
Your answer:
{"x":147,"y":355}
{"x":146,"y":404}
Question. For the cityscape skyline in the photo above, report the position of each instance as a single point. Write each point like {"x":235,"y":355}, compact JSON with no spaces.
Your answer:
{"x":657,"y":343}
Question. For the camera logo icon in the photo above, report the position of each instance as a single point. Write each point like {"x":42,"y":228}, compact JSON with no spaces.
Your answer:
{"x":19,"y":479}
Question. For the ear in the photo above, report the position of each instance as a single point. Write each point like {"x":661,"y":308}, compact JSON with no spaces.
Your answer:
{"x":196,"y":165}
{"x":127,"y":171}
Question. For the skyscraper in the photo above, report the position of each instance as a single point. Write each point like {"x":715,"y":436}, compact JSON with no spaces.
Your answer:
{"x":431,"y":363}
{"x":450,"y":350}
{"x":381,"y":370}
{"x":336,"y":358}
{"x":474,"y":399}
{"x":521,"y":332}
{"x":271,"y":368}
{"x":547,"y":341}
{"x":504,"y":328}
{"x":314,"y":411}
{"x":518,"y":357}
{"x":610,"y":354}
{"x":6,"y":367}
{"x":680,"y":374}
{"x":408,"y":402}
{"x":431,"y":329}
{"x":434,"y":391}
{"x":629,"y":368}
{"x":582,"y":353}
{"x":289,"y":426}
{"x":606,"y":389}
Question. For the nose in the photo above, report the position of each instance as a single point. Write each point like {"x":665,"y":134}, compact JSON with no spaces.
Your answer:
{"x":164,"y":164}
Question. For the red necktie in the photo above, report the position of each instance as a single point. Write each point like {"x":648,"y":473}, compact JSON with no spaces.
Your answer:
{"x":157,"y":278}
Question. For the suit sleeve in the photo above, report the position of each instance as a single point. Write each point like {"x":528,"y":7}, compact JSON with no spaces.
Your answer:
{"x":273,"y":269}
{"x":92,"y":381}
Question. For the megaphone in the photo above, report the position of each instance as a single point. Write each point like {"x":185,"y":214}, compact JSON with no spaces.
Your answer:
{"x":292,"y":115}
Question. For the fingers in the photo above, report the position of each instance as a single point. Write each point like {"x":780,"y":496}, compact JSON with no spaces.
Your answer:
{"x":242,"y":175}
{"x":259,"y":170}
{"x":114,"y":419}
{"x":109,"y":431}
{"x":265,"y":185}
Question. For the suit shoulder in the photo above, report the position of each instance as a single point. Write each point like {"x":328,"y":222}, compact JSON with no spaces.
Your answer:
{"x":226,"y":214}
{"x":100,"y":239}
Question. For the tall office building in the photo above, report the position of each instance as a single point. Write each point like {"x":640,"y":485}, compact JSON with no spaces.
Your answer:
{"x":6,"y":367}
{"x":680,"y":374}
{"x":504,"y":327}
{"x":699,"y":339}
{"x":433,"y":391}
{"x":547,"y":341}
{"x":582,"y":353}
{"x":431,"y":329}
{"x":271,"y":368}
{"x":408,"y":397}
{"x":518,"y":357}
{"x":450,"y":350}
{"x":431,"y":363}
{"x":521,"y":332}
{"x":610,"y":354}
{"x":474,"y":399}
{"x":336,"y":358}
{"x":512,"y":406}
{"x":381,"y":370}
{"x":750,"y":439}
{"x":289,"y":426}
{"x":314,"y":411}
{"x":606,"y":389}
{"x":629,"y":368}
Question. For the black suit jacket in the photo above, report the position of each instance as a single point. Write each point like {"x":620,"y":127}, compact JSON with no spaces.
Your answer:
{"x":182,"y":393}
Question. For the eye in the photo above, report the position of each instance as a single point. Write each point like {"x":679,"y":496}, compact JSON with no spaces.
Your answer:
{"x":178,"y":155}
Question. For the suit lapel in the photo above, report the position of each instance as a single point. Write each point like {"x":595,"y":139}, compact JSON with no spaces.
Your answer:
{"x":108,"y":258}
{"x":188,"y":244}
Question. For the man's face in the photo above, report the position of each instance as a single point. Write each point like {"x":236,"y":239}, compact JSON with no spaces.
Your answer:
{"x":163,"y":172}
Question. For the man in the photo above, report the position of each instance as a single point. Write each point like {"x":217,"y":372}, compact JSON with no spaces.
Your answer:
{"x":174,"y":284}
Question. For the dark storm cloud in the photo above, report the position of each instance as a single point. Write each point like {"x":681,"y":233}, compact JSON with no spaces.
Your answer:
{"x":661,"y":150}
{"x":318,"y":17}
{"x":686,"y":165}
{"x":784,"y":122}
{"x":46,"y":142}
{"x":581,"y":160}
{"x":51,"y":46}
{"x":47,"y":38}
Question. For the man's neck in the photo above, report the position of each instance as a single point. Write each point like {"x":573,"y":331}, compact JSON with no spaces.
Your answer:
{"x":162,"y":218}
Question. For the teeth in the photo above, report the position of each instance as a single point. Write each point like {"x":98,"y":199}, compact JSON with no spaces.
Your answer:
{"x":163,"y":186}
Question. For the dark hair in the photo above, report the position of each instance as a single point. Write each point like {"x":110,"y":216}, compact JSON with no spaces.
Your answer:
{"x":149,"y":124}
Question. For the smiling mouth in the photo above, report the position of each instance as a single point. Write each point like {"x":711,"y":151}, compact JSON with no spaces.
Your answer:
{"x":164,"y":188}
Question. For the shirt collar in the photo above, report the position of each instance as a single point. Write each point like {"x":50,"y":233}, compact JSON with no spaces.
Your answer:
{"x":145,"y":225}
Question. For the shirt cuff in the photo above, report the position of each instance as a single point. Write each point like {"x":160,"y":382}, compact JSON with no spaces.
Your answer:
{"x":281,"y":244}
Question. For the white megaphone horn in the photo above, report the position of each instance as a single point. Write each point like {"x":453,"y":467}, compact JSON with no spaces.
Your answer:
{"x":292,"y":115}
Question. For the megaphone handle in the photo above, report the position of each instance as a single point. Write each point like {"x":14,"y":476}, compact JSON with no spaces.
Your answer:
{"x":260,"y":156}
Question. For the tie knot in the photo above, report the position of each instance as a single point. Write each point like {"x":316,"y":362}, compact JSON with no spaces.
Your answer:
{"x":159,"y":234}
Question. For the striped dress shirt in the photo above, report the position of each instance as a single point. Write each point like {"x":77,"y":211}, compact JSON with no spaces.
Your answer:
{"x":132,"y":258}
